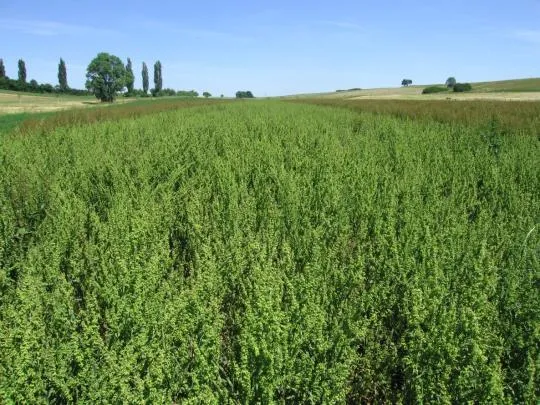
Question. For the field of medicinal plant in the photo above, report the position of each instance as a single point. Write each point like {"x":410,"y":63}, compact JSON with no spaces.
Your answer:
{"x":272,"y":252}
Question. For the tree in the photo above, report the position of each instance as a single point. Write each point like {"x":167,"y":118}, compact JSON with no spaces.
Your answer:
{"x":244,"y":94}
{"x":450,"y":82}
{"x":2,"y":69}
{"x":222,"y":96}
{"x":22,"y":71}
{"x":206,"y":94}
{"x":33,"y":85}
{"x":130,"y":77}
{"x":145,"y":82}
{"x":62,"y":75}
{"x":106,"y":75}
{"x":158,"y":80}
{"x":406,"y":82}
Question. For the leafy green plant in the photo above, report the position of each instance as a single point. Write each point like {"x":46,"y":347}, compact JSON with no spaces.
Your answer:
{"x":269,"y":252}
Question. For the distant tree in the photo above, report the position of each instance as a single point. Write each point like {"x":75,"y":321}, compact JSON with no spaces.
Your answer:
{"x":130,"y":77}
{"x":62,"y":76}
{"x":244,"y":94}
{"x":2,"y":69}
{"x":167,"y":92}
{"x":33,"y":86}
{"x":206,"y":94}
{"x":222,"y":96}
{"x":158,"y":80}
{"x":450,"y":82}
{"x":106,"y":75}
{"x":186,"y":93}
{"x":406,"y":82}
{"x":22,"y":71}
{"x":145,"y":81}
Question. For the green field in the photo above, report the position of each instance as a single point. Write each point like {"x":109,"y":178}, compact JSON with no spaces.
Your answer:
{"x":271,"y":252}
{"x":504,"y":90}
{"x":517,"y":85}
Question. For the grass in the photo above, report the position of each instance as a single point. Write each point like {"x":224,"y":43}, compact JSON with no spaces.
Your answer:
{"x":518,"y":85}
{"x":46,"y":121}
{"x":24,"y":94}
{"x":520,"y":89}
{"x":513,"y":117}
{"x":270,"y":252}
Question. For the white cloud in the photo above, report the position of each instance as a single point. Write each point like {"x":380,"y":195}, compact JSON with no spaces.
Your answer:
{"x":51,"y":28}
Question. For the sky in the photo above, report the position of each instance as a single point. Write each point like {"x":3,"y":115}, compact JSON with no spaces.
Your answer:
{"x":277,"y":47}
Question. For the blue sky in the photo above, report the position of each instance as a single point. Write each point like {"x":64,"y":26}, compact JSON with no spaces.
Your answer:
{"x":278,"y":47}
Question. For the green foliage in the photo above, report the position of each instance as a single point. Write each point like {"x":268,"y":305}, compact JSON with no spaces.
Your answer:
{"x":186,"y":93}
{"x":22,"y":71}
{"x":206,"y":94}
{"x":130,"y":77}
{"x":244,"y":94}
{"x":269,"y":252}
{"x":434,"y":89}
{"x":34,"y":87}
{"x":158,"y":79}
{"x":106,"y":75}
{"x":406,"y":82}
{"x":62,"y":76}
{"x":461,"y":87}
{"x":145,"y":79}
{"x":450,"y":82}
{"x":2,"y":69}
{"x":518,"y":116}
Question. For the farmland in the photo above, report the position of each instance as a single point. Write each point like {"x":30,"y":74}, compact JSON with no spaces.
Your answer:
{"x":501,"y":90}
{"x":321,"y":251}
{"x":12,"y":102}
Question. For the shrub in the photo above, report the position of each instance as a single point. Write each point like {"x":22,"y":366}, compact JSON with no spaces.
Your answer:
{"x":461,"y":87}
{"x":434,"y":89}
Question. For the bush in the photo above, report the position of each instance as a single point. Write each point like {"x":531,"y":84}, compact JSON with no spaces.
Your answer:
{"x":187,"y":93}
{"x":461,"y":87}
{"x":244,"y":94}
{"x":434,"y":89}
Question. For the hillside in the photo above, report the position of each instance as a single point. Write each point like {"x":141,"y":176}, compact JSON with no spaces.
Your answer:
{"x":519,"y":89}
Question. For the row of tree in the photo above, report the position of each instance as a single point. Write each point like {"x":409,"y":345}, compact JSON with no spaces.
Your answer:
{"x":21,"y":83}
{"x":106,"y":76}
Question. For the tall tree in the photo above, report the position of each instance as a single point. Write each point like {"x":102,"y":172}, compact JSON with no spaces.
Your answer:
{"x":62,"y":75}
{"x":450,"y":82}
{"x":2,"y":69}
{"x":22,"y":71}
{"x":106,"y":75}
{"x":158,"y":80}
{"x":130,"y":77}
{"x":145,"y":82}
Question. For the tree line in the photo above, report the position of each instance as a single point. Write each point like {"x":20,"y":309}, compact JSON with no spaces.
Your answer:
{"x":21,"y":83}
{"x":106,"y":77}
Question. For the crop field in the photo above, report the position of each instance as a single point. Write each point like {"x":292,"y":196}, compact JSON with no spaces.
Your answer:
{"x":16,"y":102}
{"x":272,"y":252}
